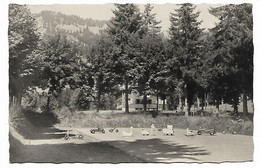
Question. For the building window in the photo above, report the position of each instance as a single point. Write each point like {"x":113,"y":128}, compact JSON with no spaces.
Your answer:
{"x":138,"y":101}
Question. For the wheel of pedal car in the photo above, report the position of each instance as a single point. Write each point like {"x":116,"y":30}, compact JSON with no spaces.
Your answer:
{"x":199,"y":132}
{"x":116,"y":130}
{"x":211,"y":133}
{"x":111,"y":130}
{"x":103,"y":131}
{"x":92,"y":131}
{"x":66,"y":137}
{"x":80,"y":136}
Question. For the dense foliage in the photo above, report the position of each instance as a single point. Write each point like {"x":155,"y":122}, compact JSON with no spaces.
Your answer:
{"x":23,"y":42}
{"x":80,"y":69}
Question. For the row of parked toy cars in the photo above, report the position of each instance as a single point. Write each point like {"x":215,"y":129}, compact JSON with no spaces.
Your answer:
{"x":168,"y":131}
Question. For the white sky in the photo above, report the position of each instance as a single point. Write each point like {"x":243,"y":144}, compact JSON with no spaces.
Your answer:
{"x":104,"y":12}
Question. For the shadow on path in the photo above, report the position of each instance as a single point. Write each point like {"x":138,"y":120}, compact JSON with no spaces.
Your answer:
{"x":92,"y":152}
{"x":35,"y":126}
{"x":157,"y":150}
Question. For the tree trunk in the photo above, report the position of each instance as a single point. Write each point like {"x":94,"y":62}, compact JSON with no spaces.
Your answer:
{"x":19,"y":100}
{"x":48,"y":104}
{"x":235,"y":109}
{"x":205,"y":100}
{"x":245,"y":109}
{"x":163,"y":104}
{"x":198,"y":103}
{"x":186,"y":107}
{"x":126,"y":96}
{"x":145,"y":101}
{"x":14,"y":102}
{"x":111,"y":102}
{"x":203,"y":103}
{"x":244,"y":92}
{"x":157,"y":101}
{"x":98,"y":102}
{"x":217,"y":105}
{"x":189,"y":107}
{"x":180,"y":103}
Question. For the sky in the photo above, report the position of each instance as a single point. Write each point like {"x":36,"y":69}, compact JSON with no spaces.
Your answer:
{"x":104,"y":12}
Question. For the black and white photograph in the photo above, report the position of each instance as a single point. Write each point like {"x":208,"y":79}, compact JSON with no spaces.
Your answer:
{"x":131,"y":82}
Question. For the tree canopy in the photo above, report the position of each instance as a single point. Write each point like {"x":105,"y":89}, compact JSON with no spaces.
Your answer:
{"x":23,"y":43}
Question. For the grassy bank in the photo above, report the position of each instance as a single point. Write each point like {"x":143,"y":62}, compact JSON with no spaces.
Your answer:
{"x":30,"y":123}
{"x":145,"y":120}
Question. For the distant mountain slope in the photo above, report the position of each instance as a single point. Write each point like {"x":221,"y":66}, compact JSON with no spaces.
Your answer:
{"x":81,"y":30}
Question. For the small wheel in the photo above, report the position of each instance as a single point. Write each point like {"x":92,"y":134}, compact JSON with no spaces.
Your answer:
{"x":199,"y":132}
{"x":111,"y":130}
{"x":116,"y":130}
{"x":211,"y":133}
{"x":66,"y":137}
{"x":80,"y":136}
{"x":103,"y":131}
{"x":92,"y":131}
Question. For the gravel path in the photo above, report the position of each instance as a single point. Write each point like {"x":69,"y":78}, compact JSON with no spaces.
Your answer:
{"x":114,"y":148}
{"x":179,"y":148}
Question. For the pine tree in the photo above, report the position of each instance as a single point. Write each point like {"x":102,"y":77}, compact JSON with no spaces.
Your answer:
{"x":124,"y":30}
{"x":151,"y":50}
{"x":233,"y":51}
{"x":185,"y":49}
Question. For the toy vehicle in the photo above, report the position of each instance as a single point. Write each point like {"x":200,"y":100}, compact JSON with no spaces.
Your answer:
{"x":72,"y":134}
{"x":113,"y":130}
{"x":144,"y":132}
{"x":204,"y":130}
{"x":189,"y":132}
{"x":128,"y":134}
{"x":168,"y":130}
{"x":98,"y":129}
{"x":76,"y":136}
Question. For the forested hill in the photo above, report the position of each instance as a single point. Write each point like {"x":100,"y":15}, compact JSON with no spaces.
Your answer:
{"x":81,"y":29}
{"x":57,"y":18}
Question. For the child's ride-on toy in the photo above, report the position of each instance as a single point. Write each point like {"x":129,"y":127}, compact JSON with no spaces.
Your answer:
{"x":72,"y":134}
{"x":113,"y":130}
{"x":98,"y":129}
{"x":168,"y":130}
{"x":204,"y":130}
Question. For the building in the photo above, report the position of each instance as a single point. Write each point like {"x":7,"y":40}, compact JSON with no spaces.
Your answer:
{"x":135,"y":101}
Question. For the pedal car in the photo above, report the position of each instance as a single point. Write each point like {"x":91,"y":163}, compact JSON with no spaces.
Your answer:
{"x":206,"y":131}
{"x":189,"y":132}
{"x":168,"y":130}
{"x":98,"y":129}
